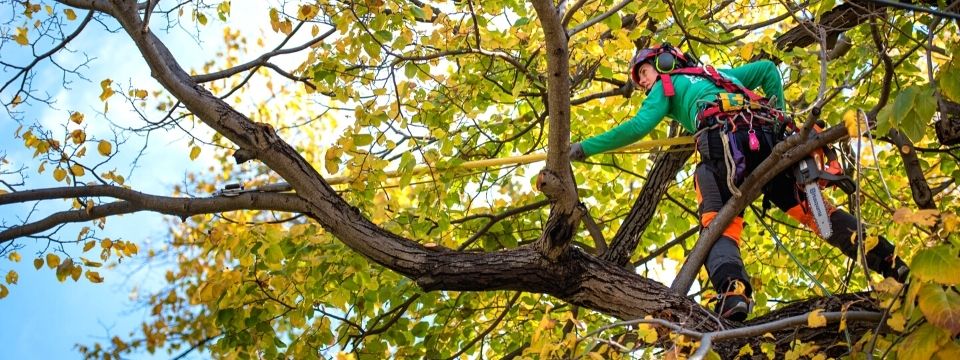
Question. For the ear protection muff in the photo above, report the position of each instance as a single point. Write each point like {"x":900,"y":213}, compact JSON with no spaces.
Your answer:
{"x":665,"y":62}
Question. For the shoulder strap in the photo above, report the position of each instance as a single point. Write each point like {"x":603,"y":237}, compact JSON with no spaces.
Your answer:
{"x":667,"y":84}
{"x":713,"y":75}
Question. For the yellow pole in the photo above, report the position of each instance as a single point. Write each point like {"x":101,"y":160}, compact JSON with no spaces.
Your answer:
{"x":522,"y":159}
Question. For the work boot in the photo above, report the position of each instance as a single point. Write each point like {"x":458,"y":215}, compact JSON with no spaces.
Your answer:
{"x":734,"y":305}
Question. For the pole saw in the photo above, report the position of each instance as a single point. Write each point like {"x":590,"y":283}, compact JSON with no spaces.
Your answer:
{"x":238,"y":188}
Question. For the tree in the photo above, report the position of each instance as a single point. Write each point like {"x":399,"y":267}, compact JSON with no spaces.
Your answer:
{"x":477,"y":262}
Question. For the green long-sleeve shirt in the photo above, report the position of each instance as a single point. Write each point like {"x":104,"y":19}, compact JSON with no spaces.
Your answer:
{"x":691,"y":91}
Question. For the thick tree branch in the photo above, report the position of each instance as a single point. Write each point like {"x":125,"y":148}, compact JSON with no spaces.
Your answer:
{"x":556,"y":180}
{"x":135,"y":202}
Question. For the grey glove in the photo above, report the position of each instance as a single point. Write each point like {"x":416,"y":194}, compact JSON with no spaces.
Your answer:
{"x":576,"y":152}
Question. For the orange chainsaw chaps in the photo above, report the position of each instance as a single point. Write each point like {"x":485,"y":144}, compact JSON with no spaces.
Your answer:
{"x":733,"y":231}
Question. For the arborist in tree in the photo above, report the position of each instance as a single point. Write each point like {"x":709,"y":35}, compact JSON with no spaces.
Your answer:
{"x":735,"y":130}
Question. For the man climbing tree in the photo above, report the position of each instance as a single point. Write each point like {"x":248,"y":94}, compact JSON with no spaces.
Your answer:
{"x":735,"y":130}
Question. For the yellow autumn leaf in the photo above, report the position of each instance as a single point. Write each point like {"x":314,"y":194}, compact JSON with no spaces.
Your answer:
{"x":94,"y":277}
{"x":871,"y":242}
{"x":77,"y":170}
{"x":855,"y":123}
{"x":38,"y":263}
{"x":104,"y":148}
{"x":950,"y":222}
{"x":89,"y":245}
{"x":76,"y":117}
{"x":78,"y":136}
{"x":21,"y":36}
{"x":307,"y":12}
{"x":106,"y":243}
{"x":90,"y":263}
{"x":59,"y":174}
{"x":332,"y":166}
{"x":12,"y":277}
{"x":3,"y":291}
{"x":130,"y":249}
{"x":888,"y":285}
{"x":52,"y":260}
{"x":345,"y":356}
{"x":194,"y":152}
{"x":70,"y":14}
{"x":14,"y":256}
{"x":647,"y":333}
{"x":75,"y":273}
{"x":897,"y":321}
{"x":107,"y":90}
{"x":816,"y":319}
{"x":746,"y":51}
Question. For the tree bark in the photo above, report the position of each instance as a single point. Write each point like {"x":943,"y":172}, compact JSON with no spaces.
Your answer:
{"x":919,"y":187}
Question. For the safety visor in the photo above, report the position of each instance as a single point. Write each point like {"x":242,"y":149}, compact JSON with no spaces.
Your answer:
{"x":639,"y":59}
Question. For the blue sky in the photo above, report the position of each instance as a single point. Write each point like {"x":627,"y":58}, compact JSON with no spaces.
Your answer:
{"x":41,"y":317}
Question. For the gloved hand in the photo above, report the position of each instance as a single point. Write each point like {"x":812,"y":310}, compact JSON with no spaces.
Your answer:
{"x":576,"y":152}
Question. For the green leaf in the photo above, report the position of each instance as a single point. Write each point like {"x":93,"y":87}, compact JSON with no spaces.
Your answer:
{"x":384,"y":36}
{"x":923,"y":343}
{"x":824,"y":6}
{"x":885,"y":119}
{"x":522,"y":21}
{"x":938,"y":264}
{"x":915,"y":125}
{"x":372,"y":48}
{"x":950,"y":80}
{"x":614,"y":22}
{"x":407,"y":163}
{"x":904,"y":103}
{"x":418,"y":12}
{"x":273,"y":255}
{"x":362,"y":139}
{"x":420,"y":329}
{"x":410,"y":70}
{"x":941,"y":308}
